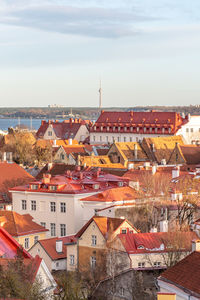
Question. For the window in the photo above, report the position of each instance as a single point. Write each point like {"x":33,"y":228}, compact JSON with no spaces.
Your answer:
{"x":157,"y":264}
{"x":107,"y":128}
{"x":62,"y":207}
{"x":94,"y":240}
{"x":163,"y":130}
{"x":33,"y":205}
{"x":118,"y":139}
{"x":36,"y":239}
{"x":34,"y":186}
{"x":131,"y":139}
{"x":141,"y":265}
{"x":94,"y":138}
{"x":125,"y":128}
{"x":26,"y":243}
{"x":62,"y":157}
{"x":191,"y":129}
{"x":123,"y":231}
{"x":121,"y":291}
{"x":138,"y":129}
{"x":93,"y":262}
{"x":150,"y":129}
{"x":49,"y":133}
{"x":113,"y":138}
{"x":57,"y":264}
{"x":156,"y":130}
{"x":124,"y":139}
{"x":169,"y":130}
{"x":62,"y":229}
{"x":145,"y":129}
{"x":106,"y":138}
{"x":53,"y":187}
{"x":100,"y":138}
{"x":24,"y":204}
{"x":120,"y":183}
{"x":71,"y":259}
{"x":131,"y":128}
{"x":43,"y":224}
{"x":119,"y":128}
{"x":53,"y":229}
{"x":53,"y":206}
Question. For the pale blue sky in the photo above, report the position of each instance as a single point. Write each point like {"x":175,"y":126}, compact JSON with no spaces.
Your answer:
{"x":147,"y":52}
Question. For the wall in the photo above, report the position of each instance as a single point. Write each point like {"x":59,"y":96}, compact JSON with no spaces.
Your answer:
{"x":21,"y":239}
{"x":37,"y":249}
{"x":135,"y":137}
{"x":50,"y":137}
{"x":82,"y":133}
{"x":194,"y":123}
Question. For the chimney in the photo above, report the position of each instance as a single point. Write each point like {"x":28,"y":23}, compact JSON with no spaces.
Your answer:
{"x":164,"y":226}
{"x":195,"y":245}
{"x":4,"y":156}
{"x":154,"y":168}
{"x":70,"y":141}
{"x":46,"y":178}
{"x":49,"y":166}
{"x":59,"y":246}
{"x":175,"y":172}
{"x":135,"y":151}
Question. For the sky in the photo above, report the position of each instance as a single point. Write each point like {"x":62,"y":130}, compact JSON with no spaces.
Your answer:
{"x":145,"y":52}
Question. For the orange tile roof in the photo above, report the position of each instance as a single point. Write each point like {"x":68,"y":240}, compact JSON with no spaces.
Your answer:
{"x":11,"y":175}
{"x":18,"y":225}
{"x":115,"y":194}
{"x":185,"y":274}
{"x":105,"y":225}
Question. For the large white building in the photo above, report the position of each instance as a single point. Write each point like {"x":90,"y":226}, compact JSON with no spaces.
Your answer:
{"x":58,"y":203}
{"x":134,"y":126}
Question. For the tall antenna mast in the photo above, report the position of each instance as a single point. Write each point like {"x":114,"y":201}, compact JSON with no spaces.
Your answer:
{"x":100,"y":99}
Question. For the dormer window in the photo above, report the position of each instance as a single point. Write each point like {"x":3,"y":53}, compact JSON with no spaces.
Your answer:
{"x":169,"y":130}
{"x":119,"y":128}
{"x":124,"y":231}
{"x":145,"y":129}
{"x":140,"y":247}
{"x":150,"y":129}
{"x":137,"y":128}
{"x":113,"y":128}
{"x":125,"y":128}
{"x":101,"y":128}
{"x":163,"y":130}
{"x":53,"y":187}
{"x":34,"y":186}
{"x":108,"y":128}
{"x":120,"y":183}
{"x":95,"y":186}
{"x":131,"y":128}
{"x":156,"y":130}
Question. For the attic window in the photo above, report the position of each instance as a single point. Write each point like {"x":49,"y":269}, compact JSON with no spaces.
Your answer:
{"x":53,"y":187}
{"x":101,"y":128}
{"x":34,"y":186}
{"x":169,"y":130}
{"x":120,"y":183}
{"x":140,"y":247}
{"x":108,"y":128}
{"x":145,"y":129}
{"x":125,"y":128}
{"x":95,"y":186}
{"x":113,"y":128}
{"x":137,"y":129}
{"x":131,"y":128}
{"x":123,"y":231}
{"x":119,"y":128}
{"x":163,"y":130}
{"x":150,"y":129}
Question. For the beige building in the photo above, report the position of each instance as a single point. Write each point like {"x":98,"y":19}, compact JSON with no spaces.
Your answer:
{"x":22,"y":228}
{"x":93,"y":240}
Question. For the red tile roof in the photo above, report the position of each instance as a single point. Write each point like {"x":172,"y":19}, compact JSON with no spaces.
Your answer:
{"x":191,"y":154}
{"x":63,"y":130}
{"x":49,"y":246}
{"x":18,"y":225}
{"x":9,"y":247}
{"x":152,"y":119}
{"x":185,"y":274}
{"x":76,"y":182}
{"x":105,"y":225}
{"x":152,"y":242}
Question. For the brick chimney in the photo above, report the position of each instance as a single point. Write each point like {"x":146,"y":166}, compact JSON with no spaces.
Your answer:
{"x":195,"y":245}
